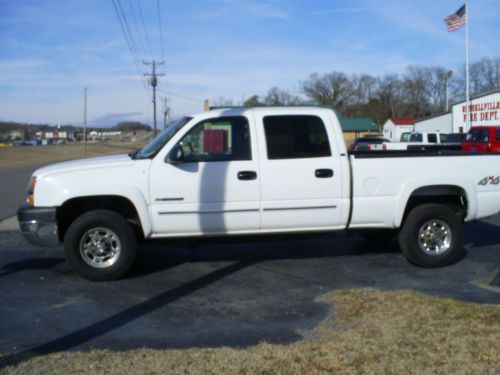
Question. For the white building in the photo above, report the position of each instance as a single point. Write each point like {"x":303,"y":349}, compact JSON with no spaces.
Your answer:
{"x":483,"y":110}
{"x":395,"y":127}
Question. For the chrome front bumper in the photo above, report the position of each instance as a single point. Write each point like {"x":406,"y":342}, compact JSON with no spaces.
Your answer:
{"x":39,"y":225}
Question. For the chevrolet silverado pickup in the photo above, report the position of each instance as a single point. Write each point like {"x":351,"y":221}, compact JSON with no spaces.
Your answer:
{"x":256,"y":171}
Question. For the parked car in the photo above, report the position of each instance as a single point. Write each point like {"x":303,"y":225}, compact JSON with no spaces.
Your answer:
{"x":482,"y":139}
{"x":367,"y":143}
{"x":278,"y":170}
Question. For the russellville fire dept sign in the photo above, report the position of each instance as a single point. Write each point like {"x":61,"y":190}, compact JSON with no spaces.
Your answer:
{"x":482,"y":111}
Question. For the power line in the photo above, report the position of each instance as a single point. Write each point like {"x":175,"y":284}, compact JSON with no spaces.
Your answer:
{"x":136,"y":26}
{"x":117,"y":6}
{"x":161,"y":32}
{"x":181,"y":96}
{"x":127,"y":29}
{"x":144,"y":27}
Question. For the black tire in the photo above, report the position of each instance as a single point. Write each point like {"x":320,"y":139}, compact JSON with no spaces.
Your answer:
{"x":432,"y":236}
{"x":100,"y":245}
{"x":378,"y":235}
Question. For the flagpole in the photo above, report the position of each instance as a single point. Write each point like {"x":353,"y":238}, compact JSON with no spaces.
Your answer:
{"x":467,"y":56}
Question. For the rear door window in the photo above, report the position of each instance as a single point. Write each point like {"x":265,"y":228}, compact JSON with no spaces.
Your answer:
{"x":296,"y":137}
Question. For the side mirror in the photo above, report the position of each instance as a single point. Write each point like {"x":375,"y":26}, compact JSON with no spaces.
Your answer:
{"x":175,"y":156}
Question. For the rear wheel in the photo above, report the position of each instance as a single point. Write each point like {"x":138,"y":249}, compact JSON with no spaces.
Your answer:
{"x":100,"y":245}
{"x":432,"y":236}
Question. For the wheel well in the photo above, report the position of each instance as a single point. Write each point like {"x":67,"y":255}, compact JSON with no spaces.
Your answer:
{"x":451,"y":196}
{"x":75,"y":207}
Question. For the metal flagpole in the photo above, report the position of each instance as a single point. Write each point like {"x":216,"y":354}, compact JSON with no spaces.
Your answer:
{"x":467,"y":56}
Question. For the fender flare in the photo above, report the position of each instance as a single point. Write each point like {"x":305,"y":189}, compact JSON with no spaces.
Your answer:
{"x":409,"y":188}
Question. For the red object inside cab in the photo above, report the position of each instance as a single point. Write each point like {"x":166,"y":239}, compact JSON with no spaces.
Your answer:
{"x":215,"y":141}
{"x":482,"y":139}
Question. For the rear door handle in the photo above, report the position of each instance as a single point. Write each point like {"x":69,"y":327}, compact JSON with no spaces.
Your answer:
{"x":247,"y":175}
{"x":323,"y":173}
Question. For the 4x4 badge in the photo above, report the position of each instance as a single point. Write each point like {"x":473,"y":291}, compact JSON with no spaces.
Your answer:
{"x":491,"y":180}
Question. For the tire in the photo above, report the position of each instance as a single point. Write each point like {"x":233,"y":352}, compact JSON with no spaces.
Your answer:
{"x":378,"y":235}
{"x":100,"y":245}
{"x":432,"y":236}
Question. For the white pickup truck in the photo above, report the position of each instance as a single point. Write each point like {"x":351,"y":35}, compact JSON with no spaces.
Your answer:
{"x":418,"y":141}
{"x":254,"y":172}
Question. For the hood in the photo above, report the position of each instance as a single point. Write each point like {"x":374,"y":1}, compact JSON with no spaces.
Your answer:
{"x":110,"y":161}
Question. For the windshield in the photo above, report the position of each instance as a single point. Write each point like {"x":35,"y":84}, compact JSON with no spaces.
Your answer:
{"x":405,"y":137}
{"x":478,"y":135}
{"x":152,"y":149}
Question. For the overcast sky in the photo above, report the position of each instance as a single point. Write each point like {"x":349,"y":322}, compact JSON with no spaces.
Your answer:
{"x":51,"y":50}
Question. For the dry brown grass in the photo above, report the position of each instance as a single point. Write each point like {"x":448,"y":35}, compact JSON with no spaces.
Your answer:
{"x":14,"y":157}
{"x":369,"y":332}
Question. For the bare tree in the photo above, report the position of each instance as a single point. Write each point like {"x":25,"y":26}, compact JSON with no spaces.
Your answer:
{"x":223,"y":102}
{"x":277,"y":96}
{"x":334,"y":88}
{"x":484,"y":77}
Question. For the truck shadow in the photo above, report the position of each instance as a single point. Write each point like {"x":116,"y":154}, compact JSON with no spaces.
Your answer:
{"x":30,"y":264}
{"x":159,"y":255}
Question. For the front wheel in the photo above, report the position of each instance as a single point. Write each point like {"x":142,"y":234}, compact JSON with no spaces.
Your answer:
{"x":432,"y":236}
{"x":100,"y":245}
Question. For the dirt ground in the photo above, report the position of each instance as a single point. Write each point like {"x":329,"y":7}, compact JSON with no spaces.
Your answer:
{"x":368,"y":331}
{"x":14,"y":157}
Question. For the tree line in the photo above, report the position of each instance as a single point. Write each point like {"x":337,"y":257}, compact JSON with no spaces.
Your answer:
{"x":419,"y":92}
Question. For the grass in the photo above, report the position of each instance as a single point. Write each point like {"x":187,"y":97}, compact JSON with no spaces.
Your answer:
{"x":15,"y":157}
{"x":368,"y":332}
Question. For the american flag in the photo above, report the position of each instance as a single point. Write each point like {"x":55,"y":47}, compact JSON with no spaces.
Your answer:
{"x":456,"y":20}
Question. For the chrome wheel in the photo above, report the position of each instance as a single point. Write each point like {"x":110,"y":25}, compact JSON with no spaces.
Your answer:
{"x":435,"y":237}
{"x":100,"y":247}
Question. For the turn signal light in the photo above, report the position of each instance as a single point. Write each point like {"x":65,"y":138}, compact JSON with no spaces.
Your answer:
{"x":31,"y":192}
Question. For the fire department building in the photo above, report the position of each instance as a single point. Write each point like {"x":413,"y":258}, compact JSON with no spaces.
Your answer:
{"x":484,"y":110}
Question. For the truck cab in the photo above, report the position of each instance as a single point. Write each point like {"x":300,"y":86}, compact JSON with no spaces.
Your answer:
{"x":482,"y":139}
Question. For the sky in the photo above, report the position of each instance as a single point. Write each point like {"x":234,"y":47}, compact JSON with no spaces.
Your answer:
{"x":50,"y":50}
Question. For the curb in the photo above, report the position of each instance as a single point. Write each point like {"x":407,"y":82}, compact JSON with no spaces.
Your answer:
{"x":10,"y":224}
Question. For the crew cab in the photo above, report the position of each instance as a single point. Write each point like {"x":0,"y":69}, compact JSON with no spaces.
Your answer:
{"x":420,"y":141}
{"x":255,"y":171}
{"x":482,"y":139}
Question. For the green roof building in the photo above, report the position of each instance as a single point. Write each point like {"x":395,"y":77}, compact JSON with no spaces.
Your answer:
{"x":355,"y":127}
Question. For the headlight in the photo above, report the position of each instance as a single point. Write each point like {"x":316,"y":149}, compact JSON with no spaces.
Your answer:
{"x":31,"y":192}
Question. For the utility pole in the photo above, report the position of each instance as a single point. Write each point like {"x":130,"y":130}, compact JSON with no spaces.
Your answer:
{"x":166,"y":114}
{"x":85,"y":121}
{"x":154,"y":82}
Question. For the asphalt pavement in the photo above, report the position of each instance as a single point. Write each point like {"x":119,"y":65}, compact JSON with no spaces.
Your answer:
{"x":216,"y":294}
{"x":13,"y":186}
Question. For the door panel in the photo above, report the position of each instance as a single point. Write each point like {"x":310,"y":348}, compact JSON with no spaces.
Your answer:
{"x":301,"y":181}
{"x":216,"y":189}
{"x":204,"y":198}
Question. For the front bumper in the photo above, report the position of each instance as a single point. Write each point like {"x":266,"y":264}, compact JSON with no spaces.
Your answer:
{"x":39,"y":225}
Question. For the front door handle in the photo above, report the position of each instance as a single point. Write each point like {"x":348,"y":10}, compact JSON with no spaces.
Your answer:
{"x":247,"y":175}
{"x":323,"y":173}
